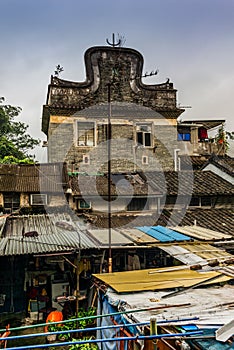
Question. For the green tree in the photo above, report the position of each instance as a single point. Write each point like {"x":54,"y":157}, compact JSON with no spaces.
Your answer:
{"x":15,"y":142}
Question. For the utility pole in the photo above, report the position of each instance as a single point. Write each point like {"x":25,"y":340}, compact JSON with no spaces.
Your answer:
{"x":109,"y":176}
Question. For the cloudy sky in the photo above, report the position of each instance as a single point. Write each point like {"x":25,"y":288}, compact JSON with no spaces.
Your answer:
{"x":189,"y":41}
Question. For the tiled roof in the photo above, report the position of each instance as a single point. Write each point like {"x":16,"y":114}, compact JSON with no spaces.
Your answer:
{"x":118,"y":109}
{"x":186,"y":182}
{"x":221,"y":220}
{"x":49,"y":177}
{"x":121,"y":184}
{"x":226,"y":163}
{"x":153,"y":183}
{"x":195,"y":161}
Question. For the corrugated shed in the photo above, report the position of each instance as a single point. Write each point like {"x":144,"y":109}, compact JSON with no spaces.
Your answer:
{"x":202,"y":233}
{"x":195,"y":253}
{"x":54,"y":233}
{"x":163,"y":234}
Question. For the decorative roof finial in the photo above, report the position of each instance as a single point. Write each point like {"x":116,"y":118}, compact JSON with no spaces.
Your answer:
{"x":113,"y":44}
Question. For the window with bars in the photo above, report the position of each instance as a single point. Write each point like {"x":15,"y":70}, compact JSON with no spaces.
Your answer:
{"x":11,"y":201}
{"x":85,"y":134}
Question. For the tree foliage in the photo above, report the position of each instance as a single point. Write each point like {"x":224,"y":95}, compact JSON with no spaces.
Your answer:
{"x":15,"y":142}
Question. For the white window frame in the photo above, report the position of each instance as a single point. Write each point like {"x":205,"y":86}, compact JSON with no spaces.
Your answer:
{"x":79,"y":143}
{"x":144,"y":128}
{"x":44,"y":198}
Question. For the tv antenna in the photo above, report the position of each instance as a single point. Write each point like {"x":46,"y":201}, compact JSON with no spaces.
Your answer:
{"x":114,"y":44}
{"x":58,"y":69}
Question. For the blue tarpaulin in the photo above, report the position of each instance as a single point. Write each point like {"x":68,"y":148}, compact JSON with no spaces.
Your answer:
{"x":163,"y":234}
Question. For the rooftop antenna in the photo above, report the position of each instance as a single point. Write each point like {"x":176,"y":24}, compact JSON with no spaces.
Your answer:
{"x":114,"y":44}
{"x":58,"y":69}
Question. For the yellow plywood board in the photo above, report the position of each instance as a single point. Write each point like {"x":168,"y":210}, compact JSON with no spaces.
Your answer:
{"x":142,"y":280}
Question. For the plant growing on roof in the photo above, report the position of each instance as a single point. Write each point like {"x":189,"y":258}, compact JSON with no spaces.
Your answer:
{"x":221,"y":138}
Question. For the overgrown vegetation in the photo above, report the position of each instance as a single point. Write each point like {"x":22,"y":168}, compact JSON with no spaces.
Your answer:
{"x":15,"y":142}
{"x":83,"y":322}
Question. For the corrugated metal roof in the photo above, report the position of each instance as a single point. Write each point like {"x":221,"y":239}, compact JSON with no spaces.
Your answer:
{"x":117,"y":238}
{"x":193,"y":253}
{"x":211,"y":305}
{"x":202,"y":233}
{"x":182,"y":254}
{"x":56,"y":233}
{"x":137,"y":236}
{"x":155,"y":279}
{"x":164,"y":234}
{"x":225,"y":332}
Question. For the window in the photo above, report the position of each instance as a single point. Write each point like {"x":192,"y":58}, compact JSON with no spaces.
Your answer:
{"x":144,"y":135}
{"x":195,"y":202}
{"x":206,"y":201}
{"x":11,"y":201}
{"x":184,"y":134}
{"x":38,"y":199}
{"x":85,"y":134}
{"x":84,"y":204}
{"x":138,"y":204}
{"x":184,"y":137}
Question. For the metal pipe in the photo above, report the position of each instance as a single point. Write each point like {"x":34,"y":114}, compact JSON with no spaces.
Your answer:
{"x":140,"y":337}
{"x":101,"y":316}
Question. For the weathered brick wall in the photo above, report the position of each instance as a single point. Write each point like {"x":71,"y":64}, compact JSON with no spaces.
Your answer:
{"x":24,"y":200}
{"x":123,"y":68}
{"x":125,"y":154}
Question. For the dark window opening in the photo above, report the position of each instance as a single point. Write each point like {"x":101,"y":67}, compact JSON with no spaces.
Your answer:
{"x":206,"y":201}
{"x":194,"y":202}
{"x":144,"y":135}
{"x":11,"y":201}
{"x":138,"y":204}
